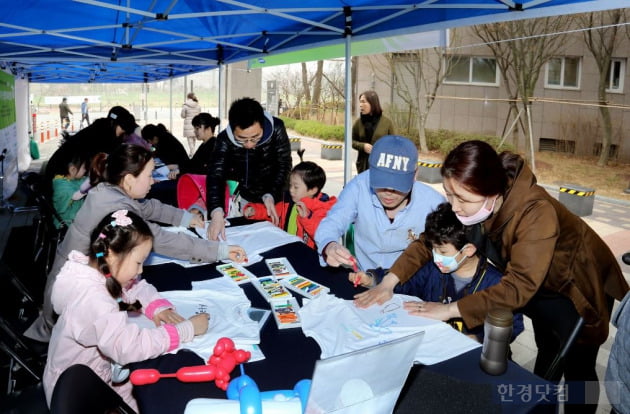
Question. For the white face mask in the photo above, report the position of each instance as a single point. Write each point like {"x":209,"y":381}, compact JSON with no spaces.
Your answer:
{"x":479,"y":216}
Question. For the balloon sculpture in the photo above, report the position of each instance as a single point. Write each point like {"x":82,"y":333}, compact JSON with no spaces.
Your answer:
{"x":242,"y":392}
{"x":223,"y":360}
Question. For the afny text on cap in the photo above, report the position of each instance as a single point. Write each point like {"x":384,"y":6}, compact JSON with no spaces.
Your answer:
{"x":393,"y":162}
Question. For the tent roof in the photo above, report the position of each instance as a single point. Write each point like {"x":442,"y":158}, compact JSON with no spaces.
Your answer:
{"x":149,"y":40}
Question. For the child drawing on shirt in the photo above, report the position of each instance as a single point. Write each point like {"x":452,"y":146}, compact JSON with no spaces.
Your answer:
{"x":301,"y":211}
{"x":92,"y":295}
{"x":457,"y":270}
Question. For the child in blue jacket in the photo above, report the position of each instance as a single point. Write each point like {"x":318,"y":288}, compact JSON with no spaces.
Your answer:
{"x":457,"y":269}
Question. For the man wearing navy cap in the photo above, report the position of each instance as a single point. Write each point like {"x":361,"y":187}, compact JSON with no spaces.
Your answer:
{"x":386,"y":204}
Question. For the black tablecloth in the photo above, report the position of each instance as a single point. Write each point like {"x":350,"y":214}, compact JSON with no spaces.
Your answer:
{"x":456,"y":385}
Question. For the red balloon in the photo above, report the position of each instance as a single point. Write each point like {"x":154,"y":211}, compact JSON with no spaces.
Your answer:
{"x":226,"y":344}
{"x":200,"y":373}
{"x":241,"y":356}
{"x":214,"y":360}
{"x":227,"y":362}
{"x":144,"y":376}
{"x":219,"y":348}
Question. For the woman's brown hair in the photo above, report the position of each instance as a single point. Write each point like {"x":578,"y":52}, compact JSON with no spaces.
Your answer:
{"x":477,"y":167}
{"x":375,"y":103}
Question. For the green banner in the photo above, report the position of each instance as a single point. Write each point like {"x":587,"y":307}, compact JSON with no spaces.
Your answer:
{"x":359,"y":48}
{"x":7,"y":100}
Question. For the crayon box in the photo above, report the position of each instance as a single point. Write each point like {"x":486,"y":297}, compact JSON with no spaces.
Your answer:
{"x":304,"y":286}
{"x":285,"y":312}
{"x":270,"y":288}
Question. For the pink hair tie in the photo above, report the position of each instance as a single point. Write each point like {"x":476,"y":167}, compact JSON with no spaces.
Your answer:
{"x":108,"y":275}
{"x":101,"y":236}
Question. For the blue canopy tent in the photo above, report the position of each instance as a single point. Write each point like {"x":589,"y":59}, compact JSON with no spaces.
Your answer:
{"x":149,"y":40}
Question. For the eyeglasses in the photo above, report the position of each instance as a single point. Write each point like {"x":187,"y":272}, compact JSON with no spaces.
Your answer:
{"x":248,"y":140}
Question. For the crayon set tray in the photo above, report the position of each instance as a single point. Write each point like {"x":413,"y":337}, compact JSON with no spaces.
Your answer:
{"x":236,"y":273}
{"x":280,"y":267}
{"x":271,"y":288}
{"x":304,"y":286}
{"x":285,"y":312}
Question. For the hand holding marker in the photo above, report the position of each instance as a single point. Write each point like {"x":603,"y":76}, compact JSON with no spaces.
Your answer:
{"x":355,"y":269}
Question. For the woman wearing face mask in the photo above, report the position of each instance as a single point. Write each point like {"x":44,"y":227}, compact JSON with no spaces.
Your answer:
{"x":456,"y":270}
{"x":555,"y":267}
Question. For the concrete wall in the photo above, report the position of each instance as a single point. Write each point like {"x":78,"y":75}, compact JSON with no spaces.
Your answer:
{"x":577,"y":123}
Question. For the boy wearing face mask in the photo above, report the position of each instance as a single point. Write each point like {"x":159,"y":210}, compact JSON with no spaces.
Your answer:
{"x":455,"y":271}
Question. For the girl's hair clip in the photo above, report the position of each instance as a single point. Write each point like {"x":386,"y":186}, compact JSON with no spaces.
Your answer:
{"x":121,"y":218}
{"x":100,"y":254}
{"x":101,"y":236}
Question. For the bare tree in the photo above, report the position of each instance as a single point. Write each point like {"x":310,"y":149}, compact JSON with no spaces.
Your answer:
{"x":415,"y":77}
{"x":333,"y":93}
{"x":522,"y":48}
{"x":601,"y":40}
{"x":317,"y":85}
{"x":306,"y":87}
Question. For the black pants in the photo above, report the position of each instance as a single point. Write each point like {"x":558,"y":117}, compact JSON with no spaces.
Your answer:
{"x":554,"y":317}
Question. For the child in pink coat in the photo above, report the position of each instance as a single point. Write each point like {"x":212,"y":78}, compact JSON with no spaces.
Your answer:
{"x":92,"y":295}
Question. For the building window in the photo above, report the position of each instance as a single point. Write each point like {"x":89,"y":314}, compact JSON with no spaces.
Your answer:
{"x":563,"y":73}
{"x":472,"y":70}
{"x":616,"y":73}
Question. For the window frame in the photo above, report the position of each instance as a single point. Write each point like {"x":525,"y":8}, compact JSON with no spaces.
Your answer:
{"x":562,"y":86}
{"x":622,"y":75}
{"x":470,"y":82}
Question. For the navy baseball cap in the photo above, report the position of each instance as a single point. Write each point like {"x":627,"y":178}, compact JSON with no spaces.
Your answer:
{"x":393,"y":162}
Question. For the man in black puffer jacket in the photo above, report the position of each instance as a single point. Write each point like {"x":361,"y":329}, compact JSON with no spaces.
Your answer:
{"x":253,"y":150}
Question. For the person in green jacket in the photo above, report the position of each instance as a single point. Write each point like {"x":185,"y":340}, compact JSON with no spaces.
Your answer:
{"x":371,"y":126}
{"x":69,"y":185}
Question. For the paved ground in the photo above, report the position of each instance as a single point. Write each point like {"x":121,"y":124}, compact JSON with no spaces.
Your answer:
{"x":610,"y":219}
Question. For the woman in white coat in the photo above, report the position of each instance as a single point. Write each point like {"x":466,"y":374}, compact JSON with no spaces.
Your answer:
{"x":190,"y":109}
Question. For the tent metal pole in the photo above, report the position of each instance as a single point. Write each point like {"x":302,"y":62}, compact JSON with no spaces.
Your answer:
{"x":170,"y":103}
{"x":222,"y":93}
{"x":347,"y":164}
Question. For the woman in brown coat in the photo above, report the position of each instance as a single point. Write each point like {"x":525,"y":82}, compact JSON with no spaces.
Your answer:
{"x":369,"y":128}
{"x":556,"y":268}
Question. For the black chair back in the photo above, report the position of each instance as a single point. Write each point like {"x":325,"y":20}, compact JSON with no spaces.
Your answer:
{"x":79,"y":390}
{"x":47,"y":235}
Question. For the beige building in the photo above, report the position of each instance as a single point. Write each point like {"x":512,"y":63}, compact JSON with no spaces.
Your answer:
{"x":472,"y":97}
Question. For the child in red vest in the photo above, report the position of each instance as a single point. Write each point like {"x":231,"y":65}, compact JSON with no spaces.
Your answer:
{"x":304,"y":207}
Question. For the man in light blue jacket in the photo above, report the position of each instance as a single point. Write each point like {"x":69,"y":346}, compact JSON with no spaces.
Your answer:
{"x":385,"y":203}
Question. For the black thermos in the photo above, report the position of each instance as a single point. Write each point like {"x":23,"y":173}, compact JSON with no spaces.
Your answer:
{"x":496,"y":341}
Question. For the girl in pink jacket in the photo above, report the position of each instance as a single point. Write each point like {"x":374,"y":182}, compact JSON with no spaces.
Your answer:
{"x":92,"y":295}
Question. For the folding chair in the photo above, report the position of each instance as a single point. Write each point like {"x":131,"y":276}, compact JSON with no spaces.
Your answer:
{"x":558,"y":361}
{"x":47,"y":235}
{"x":23,"y":356}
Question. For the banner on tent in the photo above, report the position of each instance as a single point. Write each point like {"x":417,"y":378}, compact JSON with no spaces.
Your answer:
{"x":8,"y":134}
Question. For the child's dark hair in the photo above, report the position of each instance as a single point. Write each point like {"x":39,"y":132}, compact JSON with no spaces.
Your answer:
{"x":442,"y":226}
{"x":112,"y":168}
{"x":119,"y":232}
{"x":68,"y":154}
{"x":312,"y":174}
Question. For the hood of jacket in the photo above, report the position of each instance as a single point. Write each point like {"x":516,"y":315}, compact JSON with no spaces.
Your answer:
{"x":190,"y":103}
{"x":75,"y":278}
{"x":267,"y":131}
